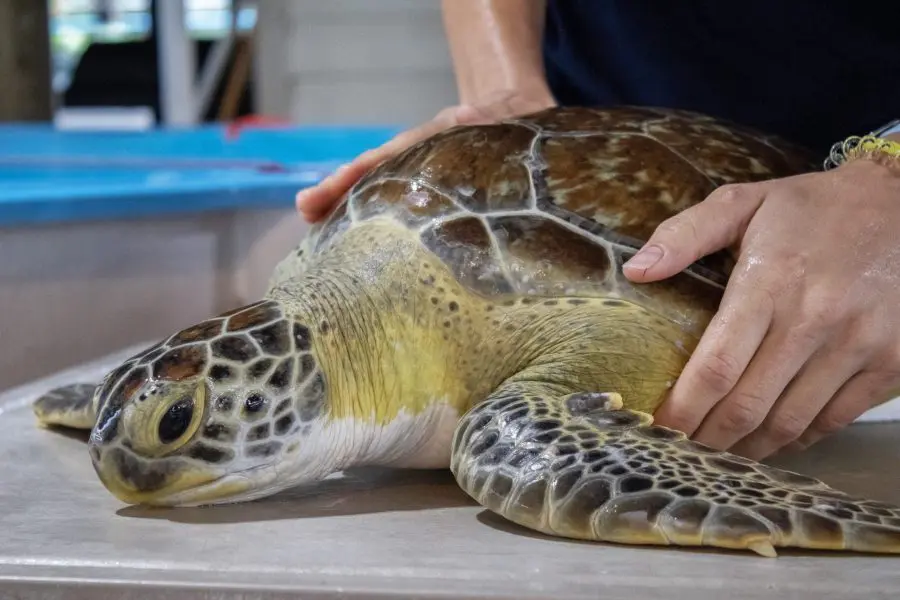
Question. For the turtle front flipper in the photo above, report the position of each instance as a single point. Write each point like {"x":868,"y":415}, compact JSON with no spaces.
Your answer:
{"x":582,"y":467}
{"x":67,"y":406}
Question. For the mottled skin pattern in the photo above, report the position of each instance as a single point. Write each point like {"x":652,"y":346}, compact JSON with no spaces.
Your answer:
{"x":464,"y":307}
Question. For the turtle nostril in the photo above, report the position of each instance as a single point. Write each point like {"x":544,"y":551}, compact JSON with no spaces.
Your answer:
{"x":176,"y":420}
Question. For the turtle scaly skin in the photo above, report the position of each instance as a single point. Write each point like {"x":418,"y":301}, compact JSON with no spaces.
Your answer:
{"x":464,"y":307}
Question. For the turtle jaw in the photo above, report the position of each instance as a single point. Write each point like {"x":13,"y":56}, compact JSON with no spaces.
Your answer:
{"x":161,"y":497}
{"x":176,"y":482}
{"x":193,"y":487}
{"x":134,"y":481}
{"x":227,"y":489}
{"x":256,"y":483}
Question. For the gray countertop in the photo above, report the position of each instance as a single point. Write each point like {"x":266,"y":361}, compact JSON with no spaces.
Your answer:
{"x":377,"y":534}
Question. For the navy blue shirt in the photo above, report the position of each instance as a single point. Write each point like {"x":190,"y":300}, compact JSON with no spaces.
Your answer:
{"x":813,"y":71}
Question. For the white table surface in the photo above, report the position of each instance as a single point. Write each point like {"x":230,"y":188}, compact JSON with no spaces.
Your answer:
{"x":376,"y":534}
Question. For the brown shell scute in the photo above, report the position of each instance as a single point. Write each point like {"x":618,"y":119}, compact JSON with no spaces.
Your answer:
{"x":728,"y":153}
{"x":467,"y":248}
{"x":578,"y":120}
{"x":630,"y":183}
{"x":406,"y":199}
{"x":545,"y":257}
{"x":482,"y":167}
{"x":553,"y":202}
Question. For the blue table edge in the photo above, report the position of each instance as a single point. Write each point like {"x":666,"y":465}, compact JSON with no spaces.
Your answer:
{"x":172,"y":172}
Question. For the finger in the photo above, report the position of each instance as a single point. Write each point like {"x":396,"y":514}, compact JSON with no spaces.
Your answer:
{"x":716,"y":223}
{"x":726,"y":348}
{"x":315,"y":202}
{"x":782,"y":354}
{"x":803,"y":399}
{"x":860,"y":393}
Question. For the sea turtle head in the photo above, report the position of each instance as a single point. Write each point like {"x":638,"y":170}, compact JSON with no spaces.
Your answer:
{"x":212,"y":413}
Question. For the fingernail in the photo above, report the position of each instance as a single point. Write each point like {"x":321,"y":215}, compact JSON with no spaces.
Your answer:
{"x":645,"y":259}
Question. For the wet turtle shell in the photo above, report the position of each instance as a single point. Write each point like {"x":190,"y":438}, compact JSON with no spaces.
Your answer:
{"x":555,"y":202}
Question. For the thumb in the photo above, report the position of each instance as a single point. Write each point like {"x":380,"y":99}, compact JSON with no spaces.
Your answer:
{"x":716,"y":223}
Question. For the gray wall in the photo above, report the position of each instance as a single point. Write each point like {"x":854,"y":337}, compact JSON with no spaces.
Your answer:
{"x":353,"y":61}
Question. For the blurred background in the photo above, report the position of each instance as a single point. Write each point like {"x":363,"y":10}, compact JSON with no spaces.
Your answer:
{"x":310,"y":61}
{"x":150,"y":152}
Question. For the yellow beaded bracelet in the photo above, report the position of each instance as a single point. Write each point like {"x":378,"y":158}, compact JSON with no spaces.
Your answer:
{"x":866,"y":146}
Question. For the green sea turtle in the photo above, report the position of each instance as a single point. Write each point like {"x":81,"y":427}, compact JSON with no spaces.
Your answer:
{"x":464,"y":307}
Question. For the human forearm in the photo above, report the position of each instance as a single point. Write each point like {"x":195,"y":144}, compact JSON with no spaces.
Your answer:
{"x":496,"y":47}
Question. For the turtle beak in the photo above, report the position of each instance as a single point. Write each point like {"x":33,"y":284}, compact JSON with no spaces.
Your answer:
{"x":152,"y":483}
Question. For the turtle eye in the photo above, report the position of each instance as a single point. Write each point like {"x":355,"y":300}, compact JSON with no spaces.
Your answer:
{"x":164,"y":421}
{"x":176,"y":420}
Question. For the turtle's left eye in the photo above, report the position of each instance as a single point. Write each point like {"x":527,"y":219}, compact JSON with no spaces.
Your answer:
{"x":176,"y":421}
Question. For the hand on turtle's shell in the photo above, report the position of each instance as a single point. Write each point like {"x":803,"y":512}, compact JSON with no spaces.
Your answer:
{"x":807,"y":336}
{"x":314,"y":203}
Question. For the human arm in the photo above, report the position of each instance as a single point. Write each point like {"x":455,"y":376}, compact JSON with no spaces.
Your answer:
{"x":495,"y":46}
{"x":807,"y":336}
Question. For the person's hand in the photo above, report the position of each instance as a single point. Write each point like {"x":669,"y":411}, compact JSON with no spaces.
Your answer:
{"x":315,"y":202}
{"x":807,"y":336}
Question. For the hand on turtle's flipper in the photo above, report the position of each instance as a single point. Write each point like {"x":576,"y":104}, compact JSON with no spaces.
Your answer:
{"x":806,"y":336}
{"x":582,"y":467}
{"x":67,"y":406}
